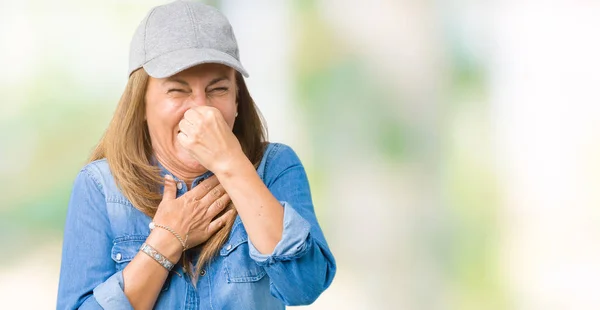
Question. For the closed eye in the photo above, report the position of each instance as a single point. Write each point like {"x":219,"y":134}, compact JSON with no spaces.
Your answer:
{"x":220,"y":89}
{"x":177,"y":90}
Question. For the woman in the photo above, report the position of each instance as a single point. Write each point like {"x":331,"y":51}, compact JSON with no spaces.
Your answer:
{"x":183,"y":205}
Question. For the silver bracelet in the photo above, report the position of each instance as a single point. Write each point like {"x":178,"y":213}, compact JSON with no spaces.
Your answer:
{"x":163,"y":261}
{"x":153,"y":225}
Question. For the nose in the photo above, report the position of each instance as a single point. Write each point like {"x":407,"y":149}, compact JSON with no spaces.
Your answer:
{"x":197,"y":99}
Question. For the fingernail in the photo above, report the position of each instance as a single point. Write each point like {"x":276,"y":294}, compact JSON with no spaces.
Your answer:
{"x":168,"y":177}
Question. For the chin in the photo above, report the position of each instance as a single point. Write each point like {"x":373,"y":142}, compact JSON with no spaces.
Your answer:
{"x":191,"y":163}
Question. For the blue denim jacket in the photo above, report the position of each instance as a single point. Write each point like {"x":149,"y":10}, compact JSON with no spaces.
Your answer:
{"x":103,"y":232}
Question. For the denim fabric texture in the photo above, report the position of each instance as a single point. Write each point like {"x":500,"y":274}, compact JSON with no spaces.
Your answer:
{"x":103,"y":232}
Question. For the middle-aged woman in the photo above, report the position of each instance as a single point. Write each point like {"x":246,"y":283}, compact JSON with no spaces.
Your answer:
{"x":183,"y":204}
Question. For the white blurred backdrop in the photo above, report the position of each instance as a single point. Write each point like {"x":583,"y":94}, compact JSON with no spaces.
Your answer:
{"x":453,"y":147}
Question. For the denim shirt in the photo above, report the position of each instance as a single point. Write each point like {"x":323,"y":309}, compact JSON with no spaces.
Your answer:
{"x":103,"y":232}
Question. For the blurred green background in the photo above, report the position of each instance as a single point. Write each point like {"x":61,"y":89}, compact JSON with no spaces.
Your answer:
{"x":452,"y":146}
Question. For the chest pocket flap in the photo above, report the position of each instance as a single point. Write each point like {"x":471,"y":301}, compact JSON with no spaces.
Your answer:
{"x":125,"y":248}
{"x":239,"y":267}
{"x":237,"y":237}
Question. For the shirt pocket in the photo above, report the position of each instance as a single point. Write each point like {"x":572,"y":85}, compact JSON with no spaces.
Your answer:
{"x":125,"y":248}
{"x":239,"y":267}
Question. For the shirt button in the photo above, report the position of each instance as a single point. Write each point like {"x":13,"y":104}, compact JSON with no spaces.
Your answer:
{"x":228,"y":247}
{"x":118,"y":256}
{"x":202,"y":272}
{"x":179,"y":185}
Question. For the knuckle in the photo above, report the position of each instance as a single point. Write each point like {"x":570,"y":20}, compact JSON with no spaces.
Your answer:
{"x":204,"y":184}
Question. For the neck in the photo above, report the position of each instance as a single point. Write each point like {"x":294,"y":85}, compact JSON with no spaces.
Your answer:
{"x":179,"y":170}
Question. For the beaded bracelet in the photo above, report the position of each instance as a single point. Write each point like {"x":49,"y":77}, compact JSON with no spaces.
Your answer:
{"x":163,"y":261}
{"x":153,"y":225}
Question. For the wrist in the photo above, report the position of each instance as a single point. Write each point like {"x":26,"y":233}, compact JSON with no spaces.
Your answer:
{"x":230,"y":167}
{"x":166,"y":244}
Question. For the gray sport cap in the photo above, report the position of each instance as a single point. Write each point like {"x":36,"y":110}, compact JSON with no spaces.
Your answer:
{"x":179,"y":35}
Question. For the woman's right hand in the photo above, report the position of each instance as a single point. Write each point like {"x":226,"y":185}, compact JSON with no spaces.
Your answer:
{"x":193,"y":213}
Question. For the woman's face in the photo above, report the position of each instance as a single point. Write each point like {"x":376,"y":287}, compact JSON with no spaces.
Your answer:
{"x":167,"y":100}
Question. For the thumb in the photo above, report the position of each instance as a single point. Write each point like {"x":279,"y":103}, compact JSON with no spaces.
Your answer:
{"x":170,"y":191}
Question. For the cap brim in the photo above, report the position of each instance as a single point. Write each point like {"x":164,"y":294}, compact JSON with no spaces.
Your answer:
{"x":174,"y":62}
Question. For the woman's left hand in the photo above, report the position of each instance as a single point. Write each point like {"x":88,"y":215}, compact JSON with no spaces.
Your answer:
{"x":209,"y":139}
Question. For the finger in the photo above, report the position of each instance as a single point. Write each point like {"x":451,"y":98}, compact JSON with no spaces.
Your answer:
{"x":218,"y":223}
{"x":203,"y":188}
{"x":210,"y":197}
{"x":170,"y":190}
{"x":218,"y":206}
{"x":216,"y":192}
{"x":183,"y":139}
{"x":192,"y":116}
{"x":210,"y":112}
{"x":185,"y":126}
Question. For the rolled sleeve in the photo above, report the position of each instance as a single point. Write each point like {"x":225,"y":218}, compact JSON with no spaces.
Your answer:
{"x":110,"y":294}
{"x":88,"y":278}
{"x":301,"y":266}
{"x":293,"y":243}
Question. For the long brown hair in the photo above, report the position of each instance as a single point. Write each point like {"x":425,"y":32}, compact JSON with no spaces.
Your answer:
{"x":127,"y":147}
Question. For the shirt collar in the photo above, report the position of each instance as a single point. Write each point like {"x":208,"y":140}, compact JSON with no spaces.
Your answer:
{"x":164,"y":171}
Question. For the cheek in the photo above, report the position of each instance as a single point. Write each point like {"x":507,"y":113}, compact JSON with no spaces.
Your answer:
{"x":232,"y":110}
{"x":163,"y":117}
{"x":229,"y":115}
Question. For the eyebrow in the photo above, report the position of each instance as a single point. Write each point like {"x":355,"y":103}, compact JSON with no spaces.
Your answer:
{"x":217,"y":80}
{"x":176,"y":80}
{"x":212,"y":82}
